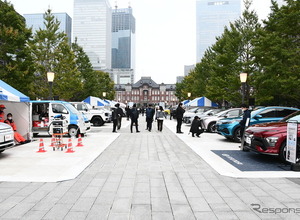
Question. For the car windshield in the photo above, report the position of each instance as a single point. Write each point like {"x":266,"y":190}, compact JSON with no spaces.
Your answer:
{"x":255,"y":112}
{"x":199,"y":110}
{"x":292,"y":117}
{"x":221,"y":113}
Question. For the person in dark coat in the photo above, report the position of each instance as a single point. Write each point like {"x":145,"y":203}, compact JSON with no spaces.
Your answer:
{"x":244,"y":123}
{"x":120,"y":114}
{"x":149,"y":117}
{"x":127,"y":110}
{"x":134,"y":115}
{"x":196,"y":127}
{"x":179,"y":116}
{"x":115,"y":118}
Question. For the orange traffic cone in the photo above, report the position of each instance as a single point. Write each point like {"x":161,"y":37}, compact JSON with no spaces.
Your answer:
{"x":79,"y":144}
{"x":70,"y":147}
{"x":52,"y":142}
{"x":41,"y":147}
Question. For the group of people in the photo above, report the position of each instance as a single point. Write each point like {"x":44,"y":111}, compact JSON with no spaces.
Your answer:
{"x":152,"y":114}
{"x":9,"y":120}
{"x":117,"y":114}
{"x":159,"y":115}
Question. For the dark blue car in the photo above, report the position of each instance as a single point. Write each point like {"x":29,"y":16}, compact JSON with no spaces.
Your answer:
{"x":230,"y":127}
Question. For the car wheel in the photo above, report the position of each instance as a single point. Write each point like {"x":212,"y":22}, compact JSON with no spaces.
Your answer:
{"x":212,"y":127}
{"x":282,"y":152}
{"x":73,"y":131}
{"x":237,"y":135}
{"x":98,"y":121}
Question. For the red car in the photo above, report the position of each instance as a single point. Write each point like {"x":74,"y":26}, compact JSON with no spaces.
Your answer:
{"x":270,"y":138}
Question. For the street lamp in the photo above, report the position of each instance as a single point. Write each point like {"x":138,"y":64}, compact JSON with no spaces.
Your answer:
{"x":50,"y":77}
{"x":243,"y":78}
{"x":104,"y":94}
{"x":189,"y":95}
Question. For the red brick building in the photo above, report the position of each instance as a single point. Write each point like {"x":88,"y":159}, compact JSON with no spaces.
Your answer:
{"x":146,"y":91}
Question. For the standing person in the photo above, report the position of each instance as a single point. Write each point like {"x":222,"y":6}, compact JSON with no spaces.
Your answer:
{"x":179,"y":116}
{"x":171,"y":112}
{"x":196,"y":127}
{"x":114,"y":117}
{"x":149,"y":117}
{"x":18,"y":137}
{"x":245,"y":121}
{"x":160,"y":116}
{"x":142,"y":110}
{"x":134,"y":115}
{"x":2,"y":116}
{"x":120,"y":114}
{"x":127,"y":110}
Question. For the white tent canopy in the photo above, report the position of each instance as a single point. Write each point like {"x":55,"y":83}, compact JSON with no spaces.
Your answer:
{"x":18,"y":104}
{"x":202,"y":102}
{"x":96,"y":102}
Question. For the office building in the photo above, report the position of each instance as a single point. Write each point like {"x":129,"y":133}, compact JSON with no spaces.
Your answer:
{"x":123,"y":45}
{"x":188,"y":69}
{"x":211,"y":18}
{"x":92,"y":29}
{"x":36,"y":21}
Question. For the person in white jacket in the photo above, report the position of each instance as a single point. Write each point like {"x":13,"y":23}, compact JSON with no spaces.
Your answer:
{"x":160,"y":116}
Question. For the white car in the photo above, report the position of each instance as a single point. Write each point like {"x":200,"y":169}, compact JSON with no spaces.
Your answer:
{"x":189,"y":115}
{"x":209,"y":122}
{"x":6,"y":137}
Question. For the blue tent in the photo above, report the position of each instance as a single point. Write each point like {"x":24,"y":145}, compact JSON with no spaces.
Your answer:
{"x":8,"y":93}
{"x":95,"y":101}
{"x":202,"y":102}
{"x":185,"y":102}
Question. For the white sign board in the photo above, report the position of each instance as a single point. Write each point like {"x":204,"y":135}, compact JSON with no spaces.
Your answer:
{"x":291,"y":142}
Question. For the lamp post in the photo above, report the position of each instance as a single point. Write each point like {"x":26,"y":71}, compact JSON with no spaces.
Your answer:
{"x":189,"y":95}
{"x":243,"y":78}
{"x":50,"y":78}
{"x":104,"y":94}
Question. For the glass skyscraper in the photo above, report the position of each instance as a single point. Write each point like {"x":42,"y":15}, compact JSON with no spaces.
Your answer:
{"x":123,"y":45}
{"x":123,"y":38}
{"x":211,"y":18}
{"x":36,"y":21}
{"x":92,"y":29}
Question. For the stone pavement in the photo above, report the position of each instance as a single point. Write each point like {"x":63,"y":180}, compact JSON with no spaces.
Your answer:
{"x":151,"y":175}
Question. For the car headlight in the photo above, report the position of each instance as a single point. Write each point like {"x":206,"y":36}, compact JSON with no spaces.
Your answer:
{"x":272,"y":141}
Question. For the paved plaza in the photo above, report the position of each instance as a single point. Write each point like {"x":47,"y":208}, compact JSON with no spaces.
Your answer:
{"x":147,"y":175}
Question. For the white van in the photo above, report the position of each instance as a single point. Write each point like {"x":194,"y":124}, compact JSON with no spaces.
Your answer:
{"x":44,"y":112}
{"x":96,"y":116}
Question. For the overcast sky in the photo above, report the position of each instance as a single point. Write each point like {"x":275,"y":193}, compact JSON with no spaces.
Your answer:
{"x":165,"y":32}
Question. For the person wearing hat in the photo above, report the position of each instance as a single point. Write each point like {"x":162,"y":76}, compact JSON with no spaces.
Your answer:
{"x":18,"y":137}
{"x":2,"y":115}
{"x":196,"y":127}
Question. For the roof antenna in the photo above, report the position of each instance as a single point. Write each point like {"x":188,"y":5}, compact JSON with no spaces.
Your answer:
{"x":129,"y":6}
{"x":116,"y":5}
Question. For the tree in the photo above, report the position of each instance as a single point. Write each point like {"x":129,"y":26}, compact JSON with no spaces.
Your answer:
{"x":278,"y":58}
{"x":15,"y":60}
{"x":105,"y":84}
{"x":51,"y":52}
